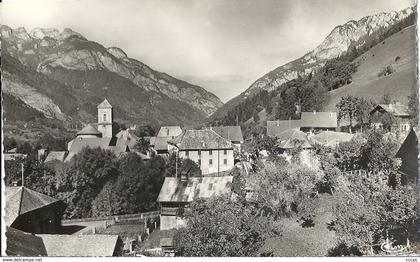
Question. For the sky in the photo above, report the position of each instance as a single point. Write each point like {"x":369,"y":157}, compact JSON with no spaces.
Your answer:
{"x":221,"y":45}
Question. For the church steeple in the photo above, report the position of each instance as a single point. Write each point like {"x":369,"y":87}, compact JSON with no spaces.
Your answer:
{"x":105,"y":119}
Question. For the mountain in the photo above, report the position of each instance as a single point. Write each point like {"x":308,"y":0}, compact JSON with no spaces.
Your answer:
{"x":341,"y":39}
{"x":64,"y":76}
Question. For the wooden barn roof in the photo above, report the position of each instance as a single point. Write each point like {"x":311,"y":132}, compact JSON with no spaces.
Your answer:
{"x":19,"y":243}
{"x":319,"y":119}
{"x":231,"y":133}
{"x":274,"y":128}
{"x":200,"y":140}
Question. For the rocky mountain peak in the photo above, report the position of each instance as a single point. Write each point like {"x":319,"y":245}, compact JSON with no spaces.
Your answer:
{"x":117,"y":52}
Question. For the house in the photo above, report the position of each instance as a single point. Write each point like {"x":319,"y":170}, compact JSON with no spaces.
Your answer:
{"x":128,"y":137}
{"x":409,"y":154}
{"x":32,"y":212}
{"x":293,"y":138}
{"x":331,"y":138}
{"x":212,"y":153}
{"x":82,"y":245}
{"x":160,"y":142}
{"x":230,"y":133}
{"x":397,"y":110}
{"x":19,"y":243}
{"x":276,"y":127}
{"x":13,"y":155}
{"x":318,"y":121}
{"x":177,"y":193}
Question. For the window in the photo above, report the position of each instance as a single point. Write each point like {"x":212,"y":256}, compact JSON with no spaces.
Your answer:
{"x":210,"y":152}
{"x":187,"y":153}
{"x":199,"y":162}
{"x":104,"y":118}
{"x":224,"y":161}
{"x":210,"y":186}
{"x":225,"y":152}
{"x":199,"y":153}
{"x":211,"y":162}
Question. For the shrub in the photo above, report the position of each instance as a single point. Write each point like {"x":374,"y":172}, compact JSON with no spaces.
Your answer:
{"x":389,"y":69}
{"x":397,"y":58}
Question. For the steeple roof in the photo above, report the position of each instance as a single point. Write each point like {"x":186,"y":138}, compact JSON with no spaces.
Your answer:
{"x":89,"y":130}
{"x":105,"y":104}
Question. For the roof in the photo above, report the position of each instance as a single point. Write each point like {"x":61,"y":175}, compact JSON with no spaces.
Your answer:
{"x":21,"y":200}
{"x":161,"y":143}
{"x":13,"y":156}
{"x":56,"y":155}
{"x":128,"y":138}
{"x":276,"y":127}
{"x":293,"y":138}
{"x":396,"y":109}
{"x":319,"y":119}
{"x":177,"y":190}
{"x":69,"y":156}
{"x":89,"y":130}
{"x":19,"y":243}
{"x":79,"y":245}
{"x":331,"y":138}
{"x":200,"y":139}
{"x":103,"y":142}
{"x":166,"y":242}
{"x":105,"y":104}
{"x":231,"y":133}
{"x":169,"y":131}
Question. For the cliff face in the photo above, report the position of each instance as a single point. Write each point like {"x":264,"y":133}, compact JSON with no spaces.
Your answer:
{"x":335,"y":44}
{"x":70,"y":59}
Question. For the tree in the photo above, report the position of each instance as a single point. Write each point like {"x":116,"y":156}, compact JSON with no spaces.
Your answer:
{"x":142,"y":145}
{"x":9,"y":143}
{"x":80,"y":181}
{"x":368,"y":208}
{"x":283,"y":190}
{"x":142,"y":131}
{"x":354,"y":108}
{"x":221,"y":226}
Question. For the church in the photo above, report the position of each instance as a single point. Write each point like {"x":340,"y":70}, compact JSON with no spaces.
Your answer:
{"x":100,"y":134}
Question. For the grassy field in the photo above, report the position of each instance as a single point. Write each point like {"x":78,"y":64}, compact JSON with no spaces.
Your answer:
{"x":366,"y":82}
{"x":309,"y":241}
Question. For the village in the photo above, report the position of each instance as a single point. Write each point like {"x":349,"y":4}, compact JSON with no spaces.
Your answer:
{"x":207,"y":163}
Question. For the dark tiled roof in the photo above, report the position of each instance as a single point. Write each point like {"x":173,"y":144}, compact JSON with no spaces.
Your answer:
{"x":80,"y":245}
{"x":21,"y":200}
{"x":293,"y":138}
{"x":319,"y":119}
{"x":19,"y":243}
{"x":200,"y":139}
{"x":177,"y":190}
{"x":56,"y":155}
{"x":231,"y":133}
{"x":105,"y":104}
{"x":396,"y":109}
{"x":89,"y":130}
{"x":276,"y":127}
{"x":169,"y":131}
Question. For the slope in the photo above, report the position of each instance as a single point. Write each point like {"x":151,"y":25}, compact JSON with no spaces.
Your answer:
{"x":398,"y":51}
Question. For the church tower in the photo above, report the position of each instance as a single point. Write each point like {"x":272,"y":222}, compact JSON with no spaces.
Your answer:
{"x":105,"y":119}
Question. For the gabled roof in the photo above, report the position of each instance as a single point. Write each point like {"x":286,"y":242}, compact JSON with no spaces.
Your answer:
{"x":319,"y":119}
{"x":80,"y":245}
{"x":21,"y":200}
{"x":19,"y":243}
{"x":69,"y":156}
{"x":169,"y":131}
{"x":293,"y":138}
{"x":231,"y":133}
{"x":177,"y":190}
{"x":56,"y":155}
{"x":396,"y":109}
{"x":89,"y":130}
{"x":411,"y":141}
{"x":276,"y":127}
{"x":200,"y":139}
{"x":105,"y":104}
{"x":331,"y":138}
